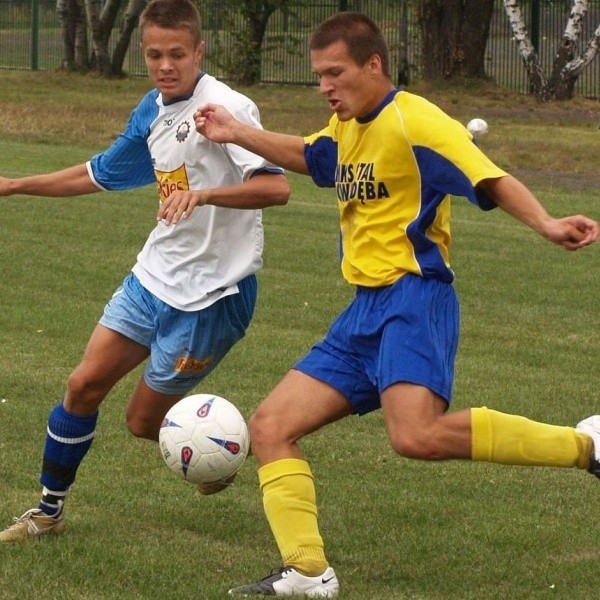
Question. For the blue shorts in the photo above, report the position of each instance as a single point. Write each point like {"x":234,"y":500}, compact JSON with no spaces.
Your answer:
{"x":407,"y":332}
{"x":184,"y":346}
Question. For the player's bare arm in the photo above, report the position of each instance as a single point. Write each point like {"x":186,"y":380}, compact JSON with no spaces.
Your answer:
{"x":73,"y":181}
{"x":572,"y":232}
{"x":218,"y":125}
{"x":260,"y":191}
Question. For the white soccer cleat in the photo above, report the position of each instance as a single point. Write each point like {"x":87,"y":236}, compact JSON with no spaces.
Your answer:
{"x":591,"y":426}
{"x":288,"y":582}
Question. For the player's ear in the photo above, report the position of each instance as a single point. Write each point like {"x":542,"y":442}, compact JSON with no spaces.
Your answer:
{"x":200,"y":50}
{"x":374,"y":64}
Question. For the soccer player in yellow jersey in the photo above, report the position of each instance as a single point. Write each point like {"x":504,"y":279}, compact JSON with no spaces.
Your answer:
{"x":394,"y":159}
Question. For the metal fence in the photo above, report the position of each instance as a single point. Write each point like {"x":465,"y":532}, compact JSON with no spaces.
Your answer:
{"x":30,"y":39}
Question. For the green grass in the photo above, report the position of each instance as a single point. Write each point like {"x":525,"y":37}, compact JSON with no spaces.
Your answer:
{"x":394,"y":529}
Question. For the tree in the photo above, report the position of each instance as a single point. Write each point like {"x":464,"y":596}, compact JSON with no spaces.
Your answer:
{"x":567,"y":65}
{"x":71,"y":16}
{"x":454,"y":35}
{"x":128,"y":25}
{"x":242,"y":58}
{"x":98,"y":16}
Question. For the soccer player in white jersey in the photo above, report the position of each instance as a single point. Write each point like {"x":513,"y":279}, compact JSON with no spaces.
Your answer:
{"x":191,"y":294}
{"x":394,"y":160}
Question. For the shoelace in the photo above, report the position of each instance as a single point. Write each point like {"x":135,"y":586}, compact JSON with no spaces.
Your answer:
{"x":26,"y":515}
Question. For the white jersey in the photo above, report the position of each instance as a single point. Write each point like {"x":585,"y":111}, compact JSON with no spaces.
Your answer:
{"x":191,"y":264}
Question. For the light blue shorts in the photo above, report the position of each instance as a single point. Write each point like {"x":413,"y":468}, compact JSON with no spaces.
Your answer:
{"x":407,"y":332}
{"x":184,"y":346}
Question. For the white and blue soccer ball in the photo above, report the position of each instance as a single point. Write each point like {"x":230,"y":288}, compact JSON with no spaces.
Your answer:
{"x":204,"y":438}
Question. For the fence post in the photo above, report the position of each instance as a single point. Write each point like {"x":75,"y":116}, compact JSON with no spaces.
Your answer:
{"x":535,"y":24}
{"x":403,"y":66}
{"x":35,"y":34}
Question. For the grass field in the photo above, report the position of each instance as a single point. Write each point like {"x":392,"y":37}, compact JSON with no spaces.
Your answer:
{"x":394,"y":529}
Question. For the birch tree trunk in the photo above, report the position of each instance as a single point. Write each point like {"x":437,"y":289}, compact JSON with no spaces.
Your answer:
{"x":567,"y":65}
{"x":537,"y":77}
{"x":577,"y":65}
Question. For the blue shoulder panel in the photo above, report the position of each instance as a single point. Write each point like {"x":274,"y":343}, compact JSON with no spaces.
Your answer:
{"x":321,"y":159}
{"x":127,"y":162}
{"x":440,"y":174}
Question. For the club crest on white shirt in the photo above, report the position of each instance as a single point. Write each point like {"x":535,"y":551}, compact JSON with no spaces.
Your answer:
{"x":182,"y":131}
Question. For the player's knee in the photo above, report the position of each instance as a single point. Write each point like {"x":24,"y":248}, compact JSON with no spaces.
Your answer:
{"x":258,"y":427}
{"x":411,"y":445}
{"x":141,"y":427}
{"x":263,"y":428}
{"x":83,"y":392}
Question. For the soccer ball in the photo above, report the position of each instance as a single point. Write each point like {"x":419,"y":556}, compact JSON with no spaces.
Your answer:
{"x":477,"y":127}
{"x":204,"y":439}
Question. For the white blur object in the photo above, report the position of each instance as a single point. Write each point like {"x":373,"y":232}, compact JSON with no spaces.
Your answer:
{"x":478,"y":128}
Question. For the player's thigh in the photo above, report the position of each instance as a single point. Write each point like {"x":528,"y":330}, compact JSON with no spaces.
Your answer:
{"x":298,"y":405}
{"x":109,"y":355}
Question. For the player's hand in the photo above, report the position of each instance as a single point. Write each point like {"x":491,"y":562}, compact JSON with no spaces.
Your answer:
{"x":215,"y":122}
{"x":179,"y":205}
{"x":573,"y":232}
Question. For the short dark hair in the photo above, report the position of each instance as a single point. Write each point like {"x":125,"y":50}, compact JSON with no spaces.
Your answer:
{"x":172,"y":14}
{"x":362,"y":37}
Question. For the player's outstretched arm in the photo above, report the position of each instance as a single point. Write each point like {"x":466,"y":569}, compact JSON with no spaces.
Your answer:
{"x":218,"y":125}
{"x":73,"y":181}
{"x":572,"y":232}
{"x":260,"y":191}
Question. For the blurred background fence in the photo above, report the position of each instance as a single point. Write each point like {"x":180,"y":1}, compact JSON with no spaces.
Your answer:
{"x":30,"y":39}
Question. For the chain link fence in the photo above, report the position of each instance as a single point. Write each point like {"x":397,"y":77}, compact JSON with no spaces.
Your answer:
{"x":30,"y":39}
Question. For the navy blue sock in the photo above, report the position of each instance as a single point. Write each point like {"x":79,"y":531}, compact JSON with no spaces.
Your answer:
{"x":68,"y":439}
{"x":52,"y":501}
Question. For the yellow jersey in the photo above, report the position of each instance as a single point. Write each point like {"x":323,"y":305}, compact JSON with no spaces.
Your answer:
{"x":394,"y":172}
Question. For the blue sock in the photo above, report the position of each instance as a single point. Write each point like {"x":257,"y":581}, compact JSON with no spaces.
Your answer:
{"x":68,"y":439}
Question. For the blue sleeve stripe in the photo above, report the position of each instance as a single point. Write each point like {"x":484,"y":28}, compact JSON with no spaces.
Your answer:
{"x":427,"y":253}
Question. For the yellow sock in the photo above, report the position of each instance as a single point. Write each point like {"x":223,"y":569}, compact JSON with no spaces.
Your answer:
{"x":290,"y":504}
{"x":514,"y":440}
